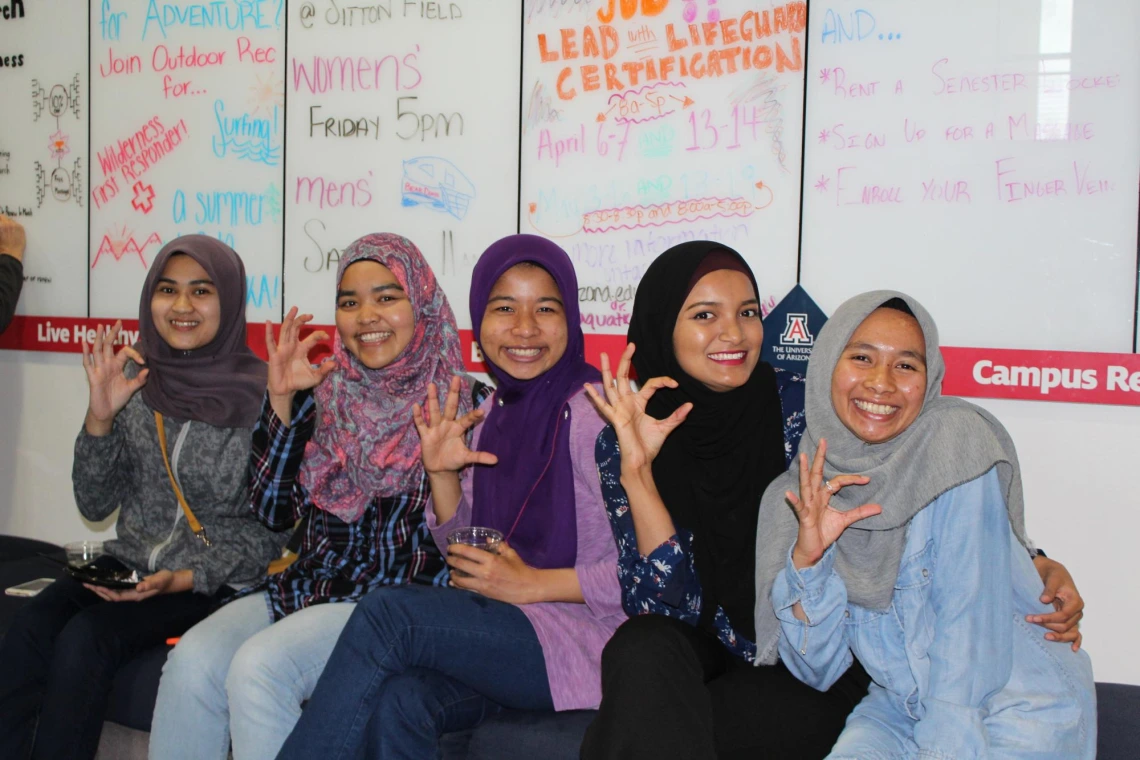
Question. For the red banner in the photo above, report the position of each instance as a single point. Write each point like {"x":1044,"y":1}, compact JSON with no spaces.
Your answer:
{"x":1069,"y":376}
{"x":1073,"y":376}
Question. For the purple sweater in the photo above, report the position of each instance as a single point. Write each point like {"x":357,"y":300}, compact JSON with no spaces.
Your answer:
{"x":572,"y":635}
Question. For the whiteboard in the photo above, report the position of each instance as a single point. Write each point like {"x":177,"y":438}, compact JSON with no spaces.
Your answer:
{"x":649,"y":123}
{"x":187,"y":132}
{"x":983,"y":157}
{"x":402,"y":117}
{"x":43,"y":149}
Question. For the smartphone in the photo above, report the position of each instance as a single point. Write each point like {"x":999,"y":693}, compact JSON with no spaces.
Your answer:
{"x":31,"y":588}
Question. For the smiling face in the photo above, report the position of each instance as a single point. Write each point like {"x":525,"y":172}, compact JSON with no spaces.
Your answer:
{"x":524,"y":327}
{"x":879,"y":384}
{"x":718,"y":334}
{"x":373,"y":314}
{"x":185,"y":306}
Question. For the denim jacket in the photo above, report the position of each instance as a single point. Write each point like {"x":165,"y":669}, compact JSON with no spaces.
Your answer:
{"x":957,"y":670}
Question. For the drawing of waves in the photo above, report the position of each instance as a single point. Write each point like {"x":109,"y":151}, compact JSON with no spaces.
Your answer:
{"x":256,"y":150}
{"x":438,"y":184}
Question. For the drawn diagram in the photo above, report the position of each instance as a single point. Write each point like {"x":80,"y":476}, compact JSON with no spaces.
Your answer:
{"x":121,"y":243}
{"x":438,"y":184}
{"x":64,"y":185}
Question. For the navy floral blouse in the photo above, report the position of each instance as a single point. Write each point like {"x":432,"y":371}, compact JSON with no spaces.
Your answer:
{"x":665,"y":581}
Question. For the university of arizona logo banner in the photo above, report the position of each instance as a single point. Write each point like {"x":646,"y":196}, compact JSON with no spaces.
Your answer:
{"x":790,"y":330}
{"x":789,"y":335}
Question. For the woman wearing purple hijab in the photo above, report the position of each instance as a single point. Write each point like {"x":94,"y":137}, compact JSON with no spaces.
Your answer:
{"x":523,"y":628}
{"x":193,"y":374}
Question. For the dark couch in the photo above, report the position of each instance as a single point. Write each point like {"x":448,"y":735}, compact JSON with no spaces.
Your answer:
{"x":513,"y":735}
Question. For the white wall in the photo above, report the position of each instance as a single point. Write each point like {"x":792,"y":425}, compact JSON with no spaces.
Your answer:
{"x":1080,"y":466}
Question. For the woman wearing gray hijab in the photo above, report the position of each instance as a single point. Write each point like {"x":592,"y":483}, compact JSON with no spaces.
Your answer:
{"x":168,"y":421}
{"x":905,"y":547}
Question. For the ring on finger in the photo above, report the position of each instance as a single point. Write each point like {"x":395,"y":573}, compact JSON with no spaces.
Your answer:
{"x":828,"y":487}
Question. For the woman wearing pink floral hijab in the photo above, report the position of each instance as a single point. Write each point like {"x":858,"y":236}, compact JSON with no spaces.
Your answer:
{"x":336,"y":448}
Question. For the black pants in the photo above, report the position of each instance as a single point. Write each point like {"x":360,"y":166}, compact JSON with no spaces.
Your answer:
{"x":671,"y":691}
{"x":60,"y":656}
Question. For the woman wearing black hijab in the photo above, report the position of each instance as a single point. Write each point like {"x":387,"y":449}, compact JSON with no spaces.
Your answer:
{"x":678,"y":678}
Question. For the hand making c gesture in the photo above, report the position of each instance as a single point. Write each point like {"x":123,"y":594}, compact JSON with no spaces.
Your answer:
{"x":443,"y":438}
{"x":289,"y":367}
{"x":110,"y":390}
{"x":639,"y":434}
{"x":821,"y":524}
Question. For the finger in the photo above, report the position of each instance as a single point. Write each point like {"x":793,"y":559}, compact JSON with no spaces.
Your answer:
{"x":654,"y":383}
{"x":671,"y":422}
{"x":97,"y":347}
{"x":860,"y":513}
{"x":839,"y":481}
{"x":623,"y":370}
{"x":608,"y":380}
{"x":418,"y":419}
{"x":464,"y":582}
{"x":311,"y":340}
{"x":471,"y":553}
{"x":451,"y":405}
{"x":1064,"y":604}
{"x":287,"y":326}
{"x":1077,"y":644}
{"x":139,"y":381}
{"x":112,"y":336}
{"x":270,"y":343}
{"x":600,"y":404}
{"x":472,"y":418}
{"x":326,"y":367}
{"x":1057,"y":621}
{"x":461,"y":562}
{"x":129,"y":352}
{"x":432,"y":407}
{"x":805,"y":476}
{"x":1066,"y":638}
{"x":86,"y":349}
{"x":794,"y":501}
{"x":482,"y":457}
{"x":817,"y":464}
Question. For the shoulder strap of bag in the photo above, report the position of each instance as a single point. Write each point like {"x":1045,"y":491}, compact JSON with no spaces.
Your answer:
{"x":191,"y":520}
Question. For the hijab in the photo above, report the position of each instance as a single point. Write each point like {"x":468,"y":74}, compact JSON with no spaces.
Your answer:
{"x":713,"y":468}
{"x":951,"y":442}
{"x":529,"y":494}
{"x":221,"y":383}
{"x":365,"y":443}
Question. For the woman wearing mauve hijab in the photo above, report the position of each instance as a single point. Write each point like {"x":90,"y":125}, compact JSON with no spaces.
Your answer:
{"x":523,"y":628}
{"x":905,"y":546}
{"x":200,"y":381}
{"x":698,"y":445}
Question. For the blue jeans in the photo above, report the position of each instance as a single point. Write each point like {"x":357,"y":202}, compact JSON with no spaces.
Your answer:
{"x":239,"y":674}
{"x":413,"y":663}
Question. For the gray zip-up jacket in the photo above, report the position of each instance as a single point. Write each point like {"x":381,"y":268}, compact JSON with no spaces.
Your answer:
{"x":125,"y":469}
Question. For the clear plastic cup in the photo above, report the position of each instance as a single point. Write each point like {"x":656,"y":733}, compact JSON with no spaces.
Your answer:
{"x":487,"y":539}
{"x":80,"y":553}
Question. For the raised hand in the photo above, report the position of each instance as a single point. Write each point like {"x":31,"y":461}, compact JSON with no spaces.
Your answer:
{"x":820,"y":524}
{"x":640,"y":435}
{"x":110,"y":390}
{"x":289,"y":367}
{"x":443,"y":443}
{"x":12,"y":238}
